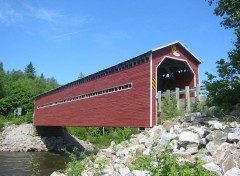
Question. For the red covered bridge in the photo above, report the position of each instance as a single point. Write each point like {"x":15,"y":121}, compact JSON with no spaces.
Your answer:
{"x":123,"y":95}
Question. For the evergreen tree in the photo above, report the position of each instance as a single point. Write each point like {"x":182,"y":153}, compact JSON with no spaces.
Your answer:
{"x":1,"y":67}
{"x":42,"y":76}
{"x":30,"y":71}
{"x":81,"y":75}
{"x":2,"y":77}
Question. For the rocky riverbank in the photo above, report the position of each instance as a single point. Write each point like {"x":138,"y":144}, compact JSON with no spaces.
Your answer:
{"x":25,"y":137}
{"x":195,"y":135}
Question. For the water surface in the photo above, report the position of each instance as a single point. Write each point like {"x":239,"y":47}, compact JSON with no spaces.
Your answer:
{"x":17,"y":163}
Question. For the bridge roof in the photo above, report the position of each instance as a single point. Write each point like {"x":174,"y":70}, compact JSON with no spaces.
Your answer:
{"x":116,"y":68}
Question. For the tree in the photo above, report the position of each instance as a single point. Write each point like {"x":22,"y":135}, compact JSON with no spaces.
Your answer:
{"x":224,"y":89}
{"x":18,"y":89}
{"x":81,"y":75}
{"x":30,"y":71}
{"x":2,"y":76}
{"x":1,"y":67}
{"x":42,"y":76}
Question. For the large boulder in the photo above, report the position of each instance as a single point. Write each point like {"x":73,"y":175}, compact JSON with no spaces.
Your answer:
{"x":141,"y":173}
{"x":218,"y":136}
{"x":233,"y":172}
{"x":233,"y":137}
{"x":227,"y":156}
{"x":124,"y":171}
{"x":211,"y":147}
{"x":201,"y":131}
{"x":188,"y":137}
{"x":166,"y":137}
{"x":213,"y":168}
{"x":216,"y":125}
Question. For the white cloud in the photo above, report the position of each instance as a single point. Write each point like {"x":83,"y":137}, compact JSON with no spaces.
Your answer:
{"x":109,"y":40}
{"x":65,"y":36}
{"x":47,"y":15}
{"x":54,"y":17}
{"x":38,"y":20}
{"x":8,"y":15}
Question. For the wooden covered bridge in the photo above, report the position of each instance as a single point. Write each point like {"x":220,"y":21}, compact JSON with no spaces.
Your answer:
{"x":123,"y":95}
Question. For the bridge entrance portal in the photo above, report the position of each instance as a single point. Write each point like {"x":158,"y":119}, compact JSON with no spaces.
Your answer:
{"x":172,"y":73}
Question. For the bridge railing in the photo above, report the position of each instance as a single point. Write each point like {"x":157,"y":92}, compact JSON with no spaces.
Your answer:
{"x":185,"y":97}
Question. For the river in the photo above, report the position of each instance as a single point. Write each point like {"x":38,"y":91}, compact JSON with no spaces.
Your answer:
{"x":17,"y":163}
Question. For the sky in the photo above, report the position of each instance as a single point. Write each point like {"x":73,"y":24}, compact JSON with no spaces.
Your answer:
{"x":65,"y":38}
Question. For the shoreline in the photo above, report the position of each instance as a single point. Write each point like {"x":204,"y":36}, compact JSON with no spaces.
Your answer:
{"x":25,"y":138}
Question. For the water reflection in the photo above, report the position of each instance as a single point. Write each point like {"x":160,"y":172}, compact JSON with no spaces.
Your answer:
{"x":17,"y":163}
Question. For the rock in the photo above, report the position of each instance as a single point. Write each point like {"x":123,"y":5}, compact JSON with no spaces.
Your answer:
{"x":140,"y":151}
{"x":227,"y":129}
{"x":221,"y":152}
{"x":166,"y":137}
{"x":147,"y":152}
{"x":141,"y":173}
{"x":236,"y":111}
{"x":192,"y":148}
{"x":233,"y":124}
{"x":168,"y":124}
{"x":212,"y":146}
{"x":57,"y":174}
{"x":124,"y":171}
{"x":177,"y":129}
{"x":129,"y":150}
{"x":216,"y":125}
{"x":143,"y":140}
{"x":203,"y":141}
{"x":129,"y":159}
{"x":181,"y":153}
{"x":218,"y":136}
{"x":237,"y":129}
{"x":200,"y":131}
{"x":227,"y":156}
{"x":185,"y":125}
{"x":233,"y":172}
{"x":238,"y":145}
{"x":156,"y":131}
{"x":213,"y":168}
{"x":188,"y":137}
{"x":231,"y":161}
{"x":193,"y":117}
{"x":233,"y":137}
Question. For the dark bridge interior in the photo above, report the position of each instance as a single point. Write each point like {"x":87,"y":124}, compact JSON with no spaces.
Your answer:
{"x":173,"y":73}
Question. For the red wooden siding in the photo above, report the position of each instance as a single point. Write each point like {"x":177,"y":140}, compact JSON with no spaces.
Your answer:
{"x":124,"y":108}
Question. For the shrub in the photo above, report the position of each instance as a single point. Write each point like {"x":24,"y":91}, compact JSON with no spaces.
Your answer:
{"x":167,"y":165}
{"x":34,"y":165}
{"x":96,"y":137}
{"x":77,"y":163}
{"x":169,"y":108}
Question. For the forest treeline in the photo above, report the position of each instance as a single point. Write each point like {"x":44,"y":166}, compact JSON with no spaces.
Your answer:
{"x":18,"y":89}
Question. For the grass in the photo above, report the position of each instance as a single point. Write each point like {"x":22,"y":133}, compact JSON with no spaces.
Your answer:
{"x":95,"y":134}
{"x":15,"y":120}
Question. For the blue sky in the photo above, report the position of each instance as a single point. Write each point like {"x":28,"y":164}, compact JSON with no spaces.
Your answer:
{"x":63,"y":38}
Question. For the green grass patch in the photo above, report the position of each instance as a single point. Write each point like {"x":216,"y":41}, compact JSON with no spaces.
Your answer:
{"x":169,"y":108}
{"x":10,"y":119}
{"x":96,"y":136}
